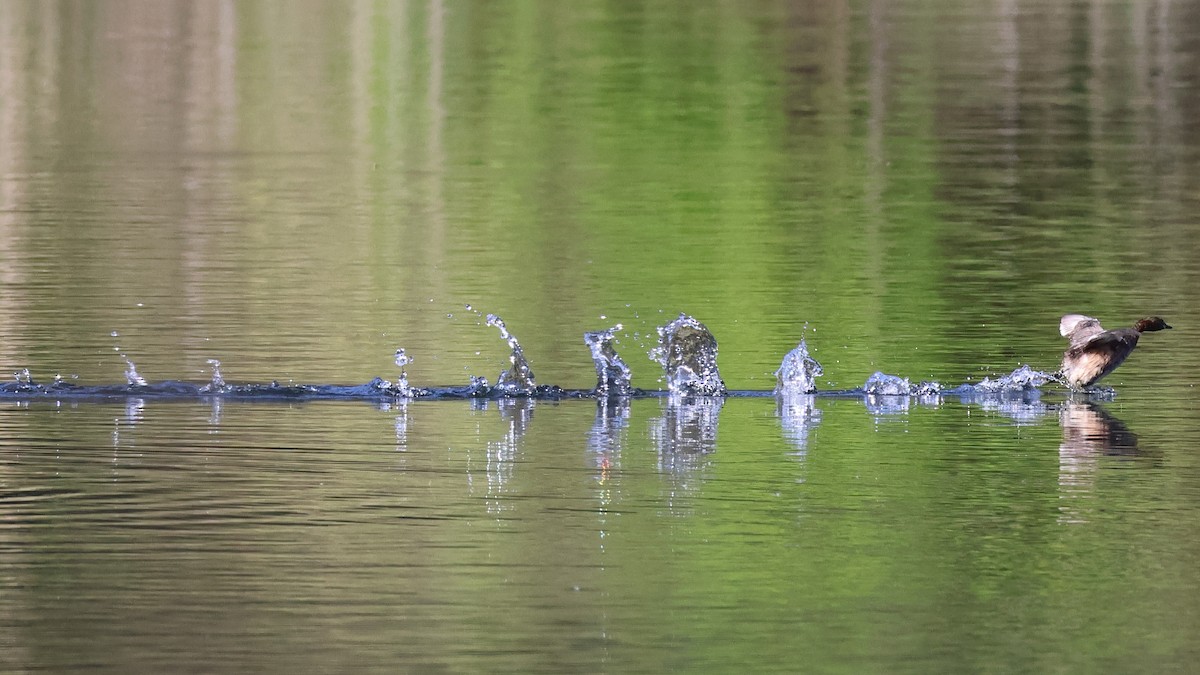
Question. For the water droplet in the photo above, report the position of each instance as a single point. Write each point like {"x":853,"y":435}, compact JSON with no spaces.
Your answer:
{"x":402,"y":359}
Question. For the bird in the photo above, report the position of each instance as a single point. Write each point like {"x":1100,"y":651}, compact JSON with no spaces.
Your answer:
{"x":1095,"y":352}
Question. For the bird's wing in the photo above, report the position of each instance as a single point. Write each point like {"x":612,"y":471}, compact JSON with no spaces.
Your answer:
{"x":1122,"y":336}
{"x":1079,"y":328}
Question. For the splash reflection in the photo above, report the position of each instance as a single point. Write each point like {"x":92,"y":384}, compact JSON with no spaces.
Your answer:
{"x":684,"y":436}
{"x":216,"y":411}
{"x":400,"y":407}
{"x":135,"y":412}
{"x":500,"y":456}
{"x":609,"y":431}
{"x":798,"y":414}
{"x":686,"y":431}
{"x":401,"y":426}
{"x":1023,"y":411}
{"x":609,"y":434}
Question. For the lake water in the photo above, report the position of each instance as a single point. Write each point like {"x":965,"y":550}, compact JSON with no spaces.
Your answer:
{"x":299,"y":188}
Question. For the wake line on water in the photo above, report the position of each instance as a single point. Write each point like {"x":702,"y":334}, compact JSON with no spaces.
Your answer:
{"x":686,"y":351}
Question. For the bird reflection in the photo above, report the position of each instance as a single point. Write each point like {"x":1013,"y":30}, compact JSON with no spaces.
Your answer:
{"x":1089,"y":430}
{"x":1089,"y":433}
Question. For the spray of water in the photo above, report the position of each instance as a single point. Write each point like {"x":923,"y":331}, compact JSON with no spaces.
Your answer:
{"x":517,"y":380}
{"x":216,"y":383}
{"x":612,"y":375}
{"x":687,"y":351}
{"x":798,"y":373}
{"x":401,"y":387}
{"x":131,"y":374}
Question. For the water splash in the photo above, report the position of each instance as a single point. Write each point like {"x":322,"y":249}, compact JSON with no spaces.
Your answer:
{"x":402,"y":359}
{"x":798,"y":372}
{"x":400,"y":389}
{"x":928,"y":388}
{"x":401,"y":386}
{"x":478,"y":386}
{"x":131,"y":374}
{"x":1022,"y":378}
{"x":132,"y":378}
{"x":612,"y":375}
{"x":217,"y":383}
{"x":882,"y":384}
{"x":687,"y":352}
{"x":517,"y":380}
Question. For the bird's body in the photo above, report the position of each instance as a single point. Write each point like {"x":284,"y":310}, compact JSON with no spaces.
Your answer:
{"x":1095,"y":352}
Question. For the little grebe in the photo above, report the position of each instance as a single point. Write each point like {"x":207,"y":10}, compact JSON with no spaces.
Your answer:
{"x":1095,"y":352}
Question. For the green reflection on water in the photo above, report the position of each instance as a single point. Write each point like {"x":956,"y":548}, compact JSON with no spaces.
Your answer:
{"x":945,"y":538}
{"x":313,"y":177}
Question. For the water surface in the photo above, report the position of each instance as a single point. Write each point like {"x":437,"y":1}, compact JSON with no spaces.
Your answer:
{"x":300,"y":188}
